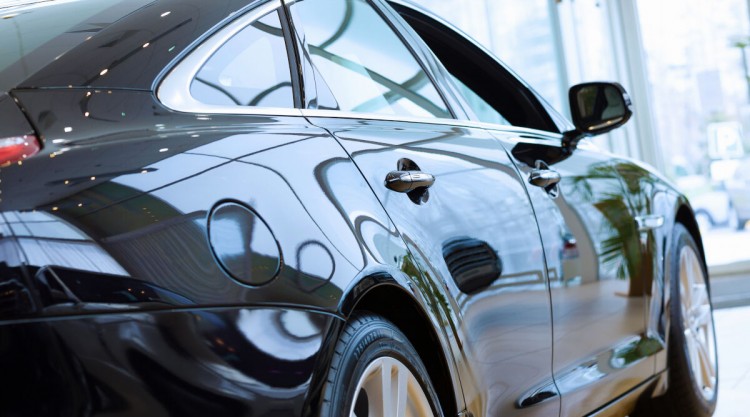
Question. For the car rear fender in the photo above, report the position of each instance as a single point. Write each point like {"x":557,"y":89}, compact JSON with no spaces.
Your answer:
{"x":395,"y":296}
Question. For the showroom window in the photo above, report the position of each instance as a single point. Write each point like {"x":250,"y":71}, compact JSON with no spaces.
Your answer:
{"x":695,"y":52}
{"x":365,"y":64}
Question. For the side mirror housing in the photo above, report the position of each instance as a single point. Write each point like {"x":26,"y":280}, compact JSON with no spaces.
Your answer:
{"x":597,"y":108}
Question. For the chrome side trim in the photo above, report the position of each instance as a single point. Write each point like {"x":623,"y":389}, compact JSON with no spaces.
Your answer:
{"x":517,"y":130}
{"x":338,"y":114}
{"x":174,"y":90}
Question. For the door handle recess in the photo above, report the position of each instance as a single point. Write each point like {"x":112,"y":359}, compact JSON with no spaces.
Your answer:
{"x":405,"y":181}
{"x":544,"y":178}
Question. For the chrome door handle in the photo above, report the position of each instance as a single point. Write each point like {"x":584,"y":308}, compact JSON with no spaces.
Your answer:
{"x":544,"y":178}
{"x":405,"y":181}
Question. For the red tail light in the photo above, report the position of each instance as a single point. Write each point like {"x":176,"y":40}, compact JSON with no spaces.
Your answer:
{"x":17,"y":148}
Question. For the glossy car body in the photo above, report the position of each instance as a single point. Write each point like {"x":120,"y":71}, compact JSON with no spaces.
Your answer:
{"x":162,"y":255}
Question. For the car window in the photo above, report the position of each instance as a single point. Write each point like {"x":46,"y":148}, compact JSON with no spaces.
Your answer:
{"x":364,"y":63}
{"x":250,"y":69}
{"x":483,"y":81}
{"x":483,"y":110}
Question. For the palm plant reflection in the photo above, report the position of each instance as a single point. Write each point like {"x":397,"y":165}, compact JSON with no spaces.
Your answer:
{"x":623,"y":253}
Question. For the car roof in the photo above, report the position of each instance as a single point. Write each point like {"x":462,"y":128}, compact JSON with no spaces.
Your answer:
{"x":103,"y":43}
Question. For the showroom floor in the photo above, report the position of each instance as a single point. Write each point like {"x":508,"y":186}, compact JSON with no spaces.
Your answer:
{"x":733,"y":335}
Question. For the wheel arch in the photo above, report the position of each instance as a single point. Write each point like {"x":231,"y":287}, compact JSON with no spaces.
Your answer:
{"x":686,"y":216}
{"x":381,"y":294}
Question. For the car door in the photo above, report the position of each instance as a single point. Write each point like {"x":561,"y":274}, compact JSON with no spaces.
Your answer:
{"x":600,"y":273}
{"x":472,"y":234}
{"x":597,"y":265}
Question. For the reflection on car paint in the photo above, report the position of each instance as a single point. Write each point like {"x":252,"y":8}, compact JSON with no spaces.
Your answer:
{"x":116,"y":296}
{"x":151,"y":204}
{"x":600,"y":268}
{"x":196,"y":362}
{"x":124,"y":230}
{"x":485,"y":326}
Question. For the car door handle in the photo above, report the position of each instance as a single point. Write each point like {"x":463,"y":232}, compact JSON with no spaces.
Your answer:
{"x":405,"y":181}
{"x":544,"y":178}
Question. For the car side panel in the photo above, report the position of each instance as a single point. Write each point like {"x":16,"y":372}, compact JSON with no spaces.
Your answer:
{"x":228,"y":362}
{"x":113,"y":276}
{"x":502,"y":332}
{"x":654,"y":203}
{"x":135,"y":191}
{"x":600,"y":270}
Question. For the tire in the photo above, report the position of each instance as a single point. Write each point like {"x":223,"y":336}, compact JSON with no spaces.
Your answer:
{"x":370,"y":347}
{"x":691,"y":354}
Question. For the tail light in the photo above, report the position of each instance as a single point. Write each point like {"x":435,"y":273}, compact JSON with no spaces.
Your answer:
{"x":17,"y":138}
{"x":17,"y":148}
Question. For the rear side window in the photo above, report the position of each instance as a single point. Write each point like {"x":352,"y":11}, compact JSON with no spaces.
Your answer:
{"x":250,"y":69}
{"x":364,"y":63}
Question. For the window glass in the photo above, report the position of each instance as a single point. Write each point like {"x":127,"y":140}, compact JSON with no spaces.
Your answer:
{"x":251,"y":69}
{"x":492,"y":93}
{"x":364,"y":63}
{"x":483,"y":110}
{"x":521,"y":33}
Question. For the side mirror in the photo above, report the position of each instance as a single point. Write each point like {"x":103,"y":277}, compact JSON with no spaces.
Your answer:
{"x":596,"y":108}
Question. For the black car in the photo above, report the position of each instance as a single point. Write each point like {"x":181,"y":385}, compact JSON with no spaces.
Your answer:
{"x":325,"y":207}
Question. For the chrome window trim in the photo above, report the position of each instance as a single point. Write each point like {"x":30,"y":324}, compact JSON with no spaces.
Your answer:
{"x":337,"y":114}
{"x":174,"y":90}
{"x":461,"y":101}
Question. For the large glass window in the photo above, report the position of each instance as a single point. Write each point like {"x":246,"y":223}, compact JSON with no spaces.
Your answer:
{"x":483,"y":110}
{"x":365,"y":64}
{"x":251,"y":69}
{"x":697,"y":71}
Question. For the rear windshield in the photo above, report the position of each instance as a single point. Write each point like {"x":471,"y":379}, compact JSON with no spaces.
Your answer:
{"x":33,"y":34}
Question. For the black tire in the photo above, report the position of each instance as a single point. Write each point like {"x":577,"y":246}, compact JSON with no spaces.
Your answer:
{"x":366,"y":338}
{"x":685,"y":395}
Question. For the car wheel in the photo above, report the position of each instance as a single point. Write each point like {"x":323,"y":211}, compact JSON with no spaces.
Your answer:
{"x":693,"y":367}
{"x":376,"y":372}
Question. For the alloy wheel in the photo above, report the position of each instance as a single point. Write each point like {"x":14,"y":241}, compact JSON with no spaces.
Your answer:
{"x":697,"y":323}
{"x":388,"y":388}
